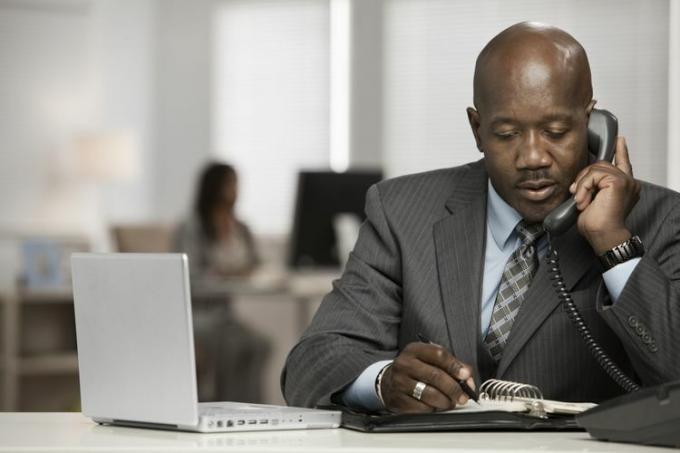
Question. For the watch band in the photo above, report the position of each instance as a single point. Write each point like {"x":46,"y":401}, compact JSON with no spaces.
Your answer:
{"x":632,"y":248}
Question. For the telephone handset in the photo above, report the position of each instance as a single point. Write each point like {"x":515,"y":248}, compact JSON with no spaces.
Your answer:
{"x":602,"y":130}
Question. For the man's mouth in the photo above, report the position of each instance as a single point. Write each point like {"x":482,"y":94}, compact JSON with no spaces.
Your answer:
{"x":538,"y":190}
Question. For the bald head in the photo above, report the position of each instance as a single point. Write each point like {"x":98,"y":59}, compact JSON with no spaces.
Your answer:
{"x":533,"y":98}
{"x":530,"y":57}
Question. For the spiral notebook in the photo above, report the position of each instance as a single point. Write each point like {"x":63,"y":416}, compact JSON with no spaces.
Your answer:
{"x":503,"y":405}
{"x":508,"y":396}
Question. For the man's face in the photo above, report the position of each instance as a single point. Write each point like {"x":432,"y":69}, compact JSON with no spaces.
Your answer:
{"x":533,"y":133}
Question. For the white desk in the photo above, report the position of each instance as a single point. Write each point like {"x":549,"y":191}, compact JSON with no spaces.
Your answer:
{"x":73,"y":432}
{"x":305,"y":288}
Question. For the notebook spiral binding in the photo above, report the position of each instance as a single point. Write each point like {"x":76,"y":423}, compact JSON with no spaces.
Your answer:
{"x":498,"y":390}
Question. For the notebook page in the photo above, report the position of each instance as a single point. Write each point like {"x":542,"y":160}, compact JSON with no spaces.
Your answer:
{"x":561,"y":407}
{"x":489,"y":405}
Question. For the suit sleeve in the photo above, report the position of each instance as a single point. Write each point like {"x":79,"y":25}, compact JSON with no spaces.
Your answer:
{"x":358,"y":321}
{"x":646,"y":316}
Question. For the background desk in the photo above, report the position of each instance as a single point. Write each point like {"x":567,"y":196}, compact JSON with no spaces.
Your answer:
{"x":38,"y":361}
{"x":73,"y":432}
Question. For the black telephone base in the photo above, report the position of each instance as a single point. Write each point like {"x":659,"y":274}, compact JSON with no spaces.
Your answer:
{"x":649,"y":416}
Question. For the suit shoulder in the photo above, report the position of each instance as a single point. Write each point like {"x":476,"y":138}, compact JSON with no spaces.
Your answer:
{"x":426,"y":185}
{"x":654,"y":208}
{"x":658,"y":197}
{"x":660,"y":190}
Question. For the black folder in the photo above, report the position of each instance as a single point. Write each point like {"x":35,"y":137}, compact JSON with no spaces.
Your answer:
{"x":471,"y":421}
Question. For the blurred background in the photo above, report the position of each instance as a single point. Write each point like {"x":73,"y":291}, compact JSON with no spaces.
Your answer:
{"x":110,"y":110}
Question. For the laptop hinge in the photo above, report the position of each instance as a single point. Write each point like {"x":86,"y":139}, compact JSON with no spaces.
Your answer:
{"x":144,"y":424}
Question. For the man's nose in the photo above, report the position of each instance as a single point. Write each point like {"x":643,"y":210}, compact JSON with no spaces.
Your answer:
{"x":533,"y":152}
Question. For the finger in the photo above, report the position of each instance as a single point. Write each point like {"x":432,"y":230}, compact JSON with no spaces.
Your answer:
{"x":406,"y":404}
{"x":412,"y":367}
{"x":464,"y":398}
{"x":471,"y":383}
{"x":436,"y":366}
{"x":403,"y":384}
{"x":621,"y":157}
{"x":595,"y":179}
{"x":460,"y":369}
{"x":585,"y":189}
{"x":582,"y":196}
{"x":397,"y":391}
{"x":578,"y":178}
{"x":430,"y":396}
{"x":441,"y":358}
{"x":442,"y":381}
{"x":600,"y":165}
{"x":582,"y":174}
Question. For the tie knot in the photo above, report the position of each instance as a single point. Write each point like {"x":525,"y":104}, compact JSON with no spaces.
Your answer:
{"x":529,"y":232}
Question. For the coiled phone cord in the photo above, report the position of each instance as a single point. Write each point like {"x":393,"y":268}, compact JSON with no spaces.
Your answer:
{"x":607,"y":364}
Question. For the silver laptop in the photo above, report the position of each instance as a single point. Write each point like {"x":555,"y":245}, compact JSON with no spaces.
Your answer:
{"x":136,"y":351}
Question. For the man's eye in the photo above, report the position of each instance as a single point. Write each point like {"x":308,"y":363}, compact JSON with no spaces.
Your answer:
{"x":555,"y":134}
{"x":506,"y":135}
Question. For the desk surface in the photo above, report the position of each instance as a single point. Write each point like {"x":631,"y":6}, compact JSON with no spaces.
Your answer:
{"x":73,"y":432}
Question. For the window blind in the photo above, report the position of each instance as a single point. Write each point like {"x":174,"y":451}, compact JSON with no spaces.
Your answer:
{"x":271,"y":105}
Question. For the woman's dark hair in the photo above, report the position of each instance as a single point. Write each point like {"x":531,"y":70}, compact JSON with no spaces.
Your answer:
{"x":209,"y":193}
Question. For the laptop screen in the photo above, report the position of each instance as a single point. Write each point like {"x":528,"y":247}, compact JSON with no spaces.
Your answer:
{"x":135,"y":337}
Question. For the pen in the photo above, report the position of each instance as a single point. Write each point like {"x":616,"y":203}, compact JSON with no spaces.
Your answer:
{"x":466,"y":388}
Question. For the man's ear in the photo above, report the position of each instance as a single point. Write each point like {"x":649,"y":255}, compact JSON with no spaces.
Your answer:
{"x":590,"y":107}
{"x":473,"y":118}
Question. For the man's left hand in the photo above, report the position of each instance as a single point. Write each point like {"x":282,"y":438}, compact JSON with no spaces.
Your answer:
{"x":605,"y":194}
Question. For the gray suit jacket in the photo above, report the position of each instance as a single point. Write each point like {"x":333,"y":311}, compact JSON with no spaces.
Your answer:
{"x":418,"y":265}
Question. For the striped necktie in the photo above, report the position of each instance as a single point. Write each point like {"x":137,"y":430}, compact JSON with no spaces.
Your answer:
{"x":517,"y":275}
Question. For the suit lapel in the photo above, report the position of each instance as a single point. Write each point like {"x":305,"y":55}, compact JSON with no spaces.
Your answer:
{"x":459,"y":246}
{"x":576,"y":258}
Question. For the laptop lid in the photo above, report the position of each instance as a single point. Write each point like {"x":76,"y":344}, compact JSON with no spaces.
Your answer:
{"x":135,"y":337}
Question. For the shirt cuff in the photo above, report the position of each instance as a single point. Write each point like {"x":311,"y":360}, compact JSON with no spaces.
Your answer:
{"x":615,"y":279}
{"x":361,"y":394}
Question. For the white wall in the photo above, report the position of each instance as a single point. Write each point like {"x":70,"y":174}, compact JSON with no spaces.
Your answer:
{"x":367,"y":81}
{"x":146,"y":65}
{"x":73,"y":66}
{"x":124,"y":35}
{"x":46,"y":95}
{"x":430,"y":52}
{"x":673,"y":168}
{"x":68,"y":67}
{"x":183,"y":102}
{"x":271,"y":101}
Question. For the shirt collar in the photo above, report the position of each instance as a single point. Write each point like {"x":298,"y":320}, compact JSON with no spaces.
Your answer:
{"x":502,"y":218}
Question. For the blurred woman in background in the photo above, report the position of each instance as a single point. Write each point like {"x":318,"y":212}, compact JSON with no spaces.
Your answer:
{"x":218,"y":244}
{"x":230,"y":355}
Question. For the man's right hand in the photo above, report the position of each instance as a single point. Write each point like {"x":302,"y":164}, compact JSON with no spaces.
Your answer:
{"x":434,"y":366}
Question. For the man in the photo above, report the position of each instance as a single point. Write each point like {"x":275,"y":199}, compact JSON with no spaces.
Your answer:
{"x":458,"y":256}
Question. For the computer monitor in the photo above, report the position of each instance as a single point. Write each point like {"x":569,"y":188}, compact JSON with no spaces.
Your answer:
{"x":321,"y":197}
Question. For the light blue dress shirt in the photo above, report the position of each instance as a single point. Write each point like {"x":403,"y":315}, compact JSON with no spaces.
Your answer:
{"x":501,"y":241}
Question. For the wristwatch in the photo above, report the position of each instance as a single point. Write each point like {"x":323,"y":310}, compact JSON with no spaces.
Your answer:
{"x":632,"y":248}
